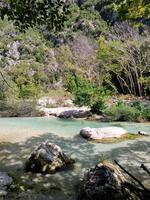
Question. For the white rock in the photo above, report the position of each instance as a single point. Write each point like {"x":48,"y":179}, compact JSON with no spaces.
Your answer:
{"x":60,"y":110}
{"x":3,"y":193}
{"x":142,"y":133}
{"x":100,"y":133}
{"x":13,"y":51}
{"x":68,"y":102}
{"x":43,"y":101}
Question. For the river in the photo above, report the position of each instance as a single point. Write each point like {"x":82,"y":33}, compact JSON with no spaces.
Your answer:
{"x":18,"y":136}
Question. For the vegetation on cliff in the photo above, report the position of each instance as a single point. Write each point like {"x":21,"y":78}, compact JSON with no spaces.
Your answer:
{"x":97,"y":49}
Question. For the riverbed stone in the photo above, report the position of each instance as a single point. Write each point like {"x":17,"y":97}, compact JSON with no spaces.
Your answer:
{"x":5,"y":183}
{"x":143,"y":133}
{"x":47,"y":157}
{"x":104,"y":182}
{"x":102,"y":133}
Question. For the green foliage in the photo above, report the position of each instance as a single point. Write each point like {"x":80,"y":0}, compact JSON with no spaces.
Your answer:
{"x":133,"y":9}
{"x":80,"y":87}
{"x":126,"y":63}
{"x":83,"y":96}
{"x":30,"y":13}
{"x":41,"y":54}
{"x":87,"y":94}
{"x":122,"y":112}
{"x":74,"y":14}
{"x":143,"y":108}
{"x":99,"y":105}
{"x":85,"y":19}
{"x":137,"y":111}
{"x":16,"y":108}
{"x":29,"y":79}
{"x":123,"y":56}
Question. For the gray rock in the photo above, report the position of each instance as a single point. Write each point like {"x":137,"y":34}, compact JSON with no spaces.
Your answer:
{"x":13,"y":51}
{"x":3,"y":193}
{"x":75,"y":114}
{"x":67,"y":112}
{"x":10,"y":62}
{"x":5,"y":183}
{"x":105,"y":181}
{"x":47,"y":158}
{"x":101,"y":133}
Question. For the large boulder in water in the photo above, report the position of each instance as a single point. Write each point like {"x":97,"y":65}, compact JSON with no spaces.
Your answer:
{"x":5,"y":183}
{"x":75,"y":113}
{"x":102,"y":133}
{"x":47,"y":158}
{"x":104,"y":182}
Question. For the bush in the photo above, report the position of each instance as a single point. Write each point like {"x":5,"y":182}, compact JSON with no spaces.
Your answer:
{"x":122,"y":112}
{"x":80,"y":87}
{"x":143,"y":108}
{"x":18,"y":108}
{"x":98,"y":106}
{"x":29,"y":79}
{"x":86,"y":93}
{"x":83,"y":96}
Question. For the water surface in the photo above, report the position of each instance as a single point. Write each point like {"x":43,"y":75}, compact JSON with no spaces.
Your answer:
{"x":22,"y":134}
{"x":21,"y":128}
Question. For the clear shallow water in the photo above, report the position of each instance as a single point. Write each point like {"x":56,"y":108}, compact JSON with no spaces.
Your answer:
{"x":61,"y":127}
{"x":22,"y":134}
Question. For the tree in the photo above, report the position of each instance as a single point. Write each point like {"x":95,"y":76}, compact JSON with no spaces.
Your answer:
{"x":133,"y":9}
{"x":29,"y":13}
{"x":125,"y":62}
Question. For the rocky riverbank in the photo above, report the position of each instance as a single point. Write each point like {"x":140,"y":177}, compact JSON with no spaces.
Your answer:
{"x":67,"y":112}
{"x":29,"y":133}
{"x":116,"y":110}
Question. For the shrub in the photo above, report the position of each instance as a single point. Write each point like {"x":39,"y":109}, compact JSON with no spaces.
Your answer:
{"x":29,"y":79}
{"x":143,"y":108}
{"x":18,"y":108}
{"x":118,"y":55}
{"x":83,"y":96}
{"x":86,"y":93}
{"x":122,"y":112}
{"x":98,"y":106}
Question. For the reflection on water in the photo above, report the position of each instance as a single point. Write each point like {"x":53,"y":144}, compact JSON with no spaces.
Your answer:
{"x":22,"y":134}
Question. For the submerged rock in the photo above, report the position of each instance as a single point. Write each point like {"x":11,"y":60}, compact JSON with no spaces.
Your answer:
{"x":102,"y":133}
{"x":47,"y":158}
{"x":104,"y":182}
{"x":5,"y":183}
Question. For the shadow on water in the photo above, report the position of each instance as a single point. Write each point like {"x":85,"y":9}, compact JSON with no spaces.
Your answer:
{"x":61,"y":185}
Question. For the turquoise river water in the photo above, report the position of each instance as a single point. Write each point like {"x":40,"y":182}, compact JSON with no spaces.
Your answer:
{"x":18,"y":136}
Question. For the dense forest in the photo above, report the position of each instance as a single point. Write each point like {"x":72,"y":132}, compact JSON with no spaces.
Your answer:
{"x":91,"y":50}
